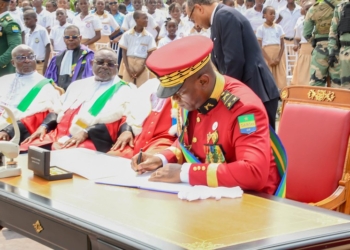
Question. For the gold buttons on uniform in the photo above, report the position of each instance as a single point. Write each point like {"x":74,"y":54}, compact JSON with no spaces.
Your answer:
{"x":194,"y":140}
{"x":194,"y":168}
{"x":198,"y":119}
{"x":203,"y":168}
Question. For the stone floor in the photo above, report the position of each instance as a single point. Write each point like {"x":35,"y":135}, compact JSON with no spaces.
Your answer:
{"x":10,"y":240}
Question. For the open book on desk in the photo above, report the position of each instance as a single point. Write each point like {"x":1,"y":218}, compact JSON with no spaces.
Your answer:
{"x":129,"y":179}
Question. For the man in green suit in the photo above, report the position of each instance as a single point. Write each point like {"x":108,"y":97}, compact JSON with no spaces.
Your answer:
{"x":10,"y":37}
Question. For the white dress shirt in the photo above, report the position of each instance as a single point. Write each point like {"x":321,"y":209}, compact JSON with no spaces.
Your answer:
{"x":255,"y":17}
{"x":56,"y":34}
{"x":137,"y":44}
{"x":289,"y":20}
{"x":299,"y":28}
{"x":38,"y":40}
{"x":88,"y":26}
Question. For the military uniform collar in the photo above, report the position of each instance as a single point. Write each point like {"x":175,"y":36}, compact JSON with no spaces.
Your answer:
{"x":215,"y":95}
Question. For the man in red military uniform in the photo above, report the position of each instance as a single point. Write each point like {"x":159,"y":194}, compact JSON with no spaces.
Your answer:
{"x":224,"y":140}
{"x":151,"y":120}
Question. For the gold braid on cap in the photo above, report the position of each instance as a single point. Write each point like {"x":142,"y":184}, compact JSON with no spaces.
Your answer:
{"x":178,"y":77}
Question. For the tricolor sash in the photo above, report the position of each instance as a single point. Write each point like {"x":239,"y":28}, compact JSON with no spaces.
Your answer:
{"x":281,"y":160}
{"x":183,"y":115}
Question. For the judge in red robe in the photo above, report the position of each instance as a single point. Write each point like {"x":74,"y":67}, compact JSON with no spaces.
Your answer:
{"x":92,"y":111}
{"x":152,"y":121}
{"x":29,"y":95}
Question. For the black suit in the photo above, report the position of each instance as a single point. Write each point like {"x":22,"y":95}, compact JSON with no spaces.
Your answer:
{"x":237,"y":54}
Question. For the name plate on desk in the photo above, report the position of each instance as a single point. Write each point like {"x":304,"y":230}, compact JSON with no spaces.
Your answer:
{"x":39,"y":163}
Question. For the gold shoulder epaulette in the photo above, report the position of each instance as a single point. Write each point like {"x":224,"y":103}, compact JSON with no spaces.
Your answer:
{"x":8,"y":18}
{"x":228,"y":99}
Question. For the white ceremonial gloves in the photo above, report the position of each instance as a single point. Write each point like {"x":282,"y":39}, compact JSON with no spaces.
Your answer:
{"x":204,"y":192}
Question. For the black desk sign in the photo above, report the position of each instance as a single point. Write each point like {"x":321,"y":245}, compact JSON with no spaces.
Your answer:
{"x":39,"y":163}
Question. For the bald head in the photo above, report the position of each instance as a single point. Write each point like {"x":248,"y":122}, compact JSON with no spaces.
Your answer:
{"x":107,"y":51}
{"x":20,"y":48}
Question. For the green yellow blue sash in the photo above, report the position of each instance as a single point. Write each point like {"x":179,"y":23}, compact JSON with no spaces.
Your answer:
{"x":190,"y":158}
{"x":281,"y":161}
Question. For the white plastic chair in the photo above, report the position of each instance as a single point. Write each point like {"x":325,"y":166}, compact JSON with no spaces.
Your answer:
{"x":115,"y":47}
{"x":291,"y":59}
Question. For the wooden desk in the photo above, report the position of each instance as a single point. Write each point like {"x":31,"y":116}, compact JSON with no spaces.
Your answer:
{"x":78,"y":214}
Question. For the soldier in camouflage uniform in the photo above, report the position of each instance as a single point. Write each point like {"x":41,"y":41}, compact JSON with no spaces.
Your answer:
{"x":339,"y":36}
{"x":10,"y":37}
{"x":316,"y":29}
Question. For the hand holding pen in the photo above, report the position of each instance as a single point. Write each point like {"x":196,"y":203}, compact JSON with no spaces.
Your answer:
{"x":143,"y":162}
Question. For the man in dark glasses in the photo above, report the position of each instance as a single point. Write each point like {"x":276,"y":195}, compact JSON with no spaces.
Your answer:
{"x":72,"y":64}
{"x":93,"y":109}
{"x":28,"y":94}
{"x":10,"y":37}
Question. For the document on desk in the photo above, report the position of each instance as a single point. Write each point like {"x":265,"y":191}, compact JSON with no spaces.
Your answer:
{"x":89,"y":164}
{"x":130,"y":179}
{"x":109,"y":170}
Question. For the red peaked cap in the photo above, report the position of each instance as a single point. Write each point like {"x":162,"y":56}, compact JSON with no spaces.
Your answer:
{"x":178,"y":60}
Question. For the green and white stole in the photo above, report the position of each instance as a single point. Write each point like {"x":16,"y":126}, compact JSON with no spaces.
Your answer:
{"x":30,"y":96}
{"x":100,"y":102}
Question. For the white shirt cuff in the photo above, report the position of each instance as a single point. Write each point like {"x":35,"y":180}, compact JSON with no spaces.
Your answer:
{"x":184,"y":174}
{"x":162,"y":157}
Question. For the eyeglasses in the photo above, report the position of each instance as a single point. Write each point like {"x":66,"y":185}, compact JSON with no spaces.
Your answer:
{"x":189,"y":18}
{"x":109,"y":64}
{"x":71,"y":37}
{"x":113,"y":3}
{"x":23,"y":58}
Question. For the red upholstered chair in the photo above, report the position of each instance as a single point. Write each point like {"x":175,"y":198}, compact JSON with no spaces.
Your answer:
{"x":315,"y":129}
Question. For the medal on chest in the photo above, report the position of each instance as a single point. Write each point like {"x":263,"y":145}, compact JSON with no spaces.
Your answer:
{"x":213,"y":151}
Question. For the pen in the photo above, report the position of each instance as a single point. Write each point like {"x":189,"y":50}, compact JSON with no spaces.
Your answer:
{"x":139,"y":159}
